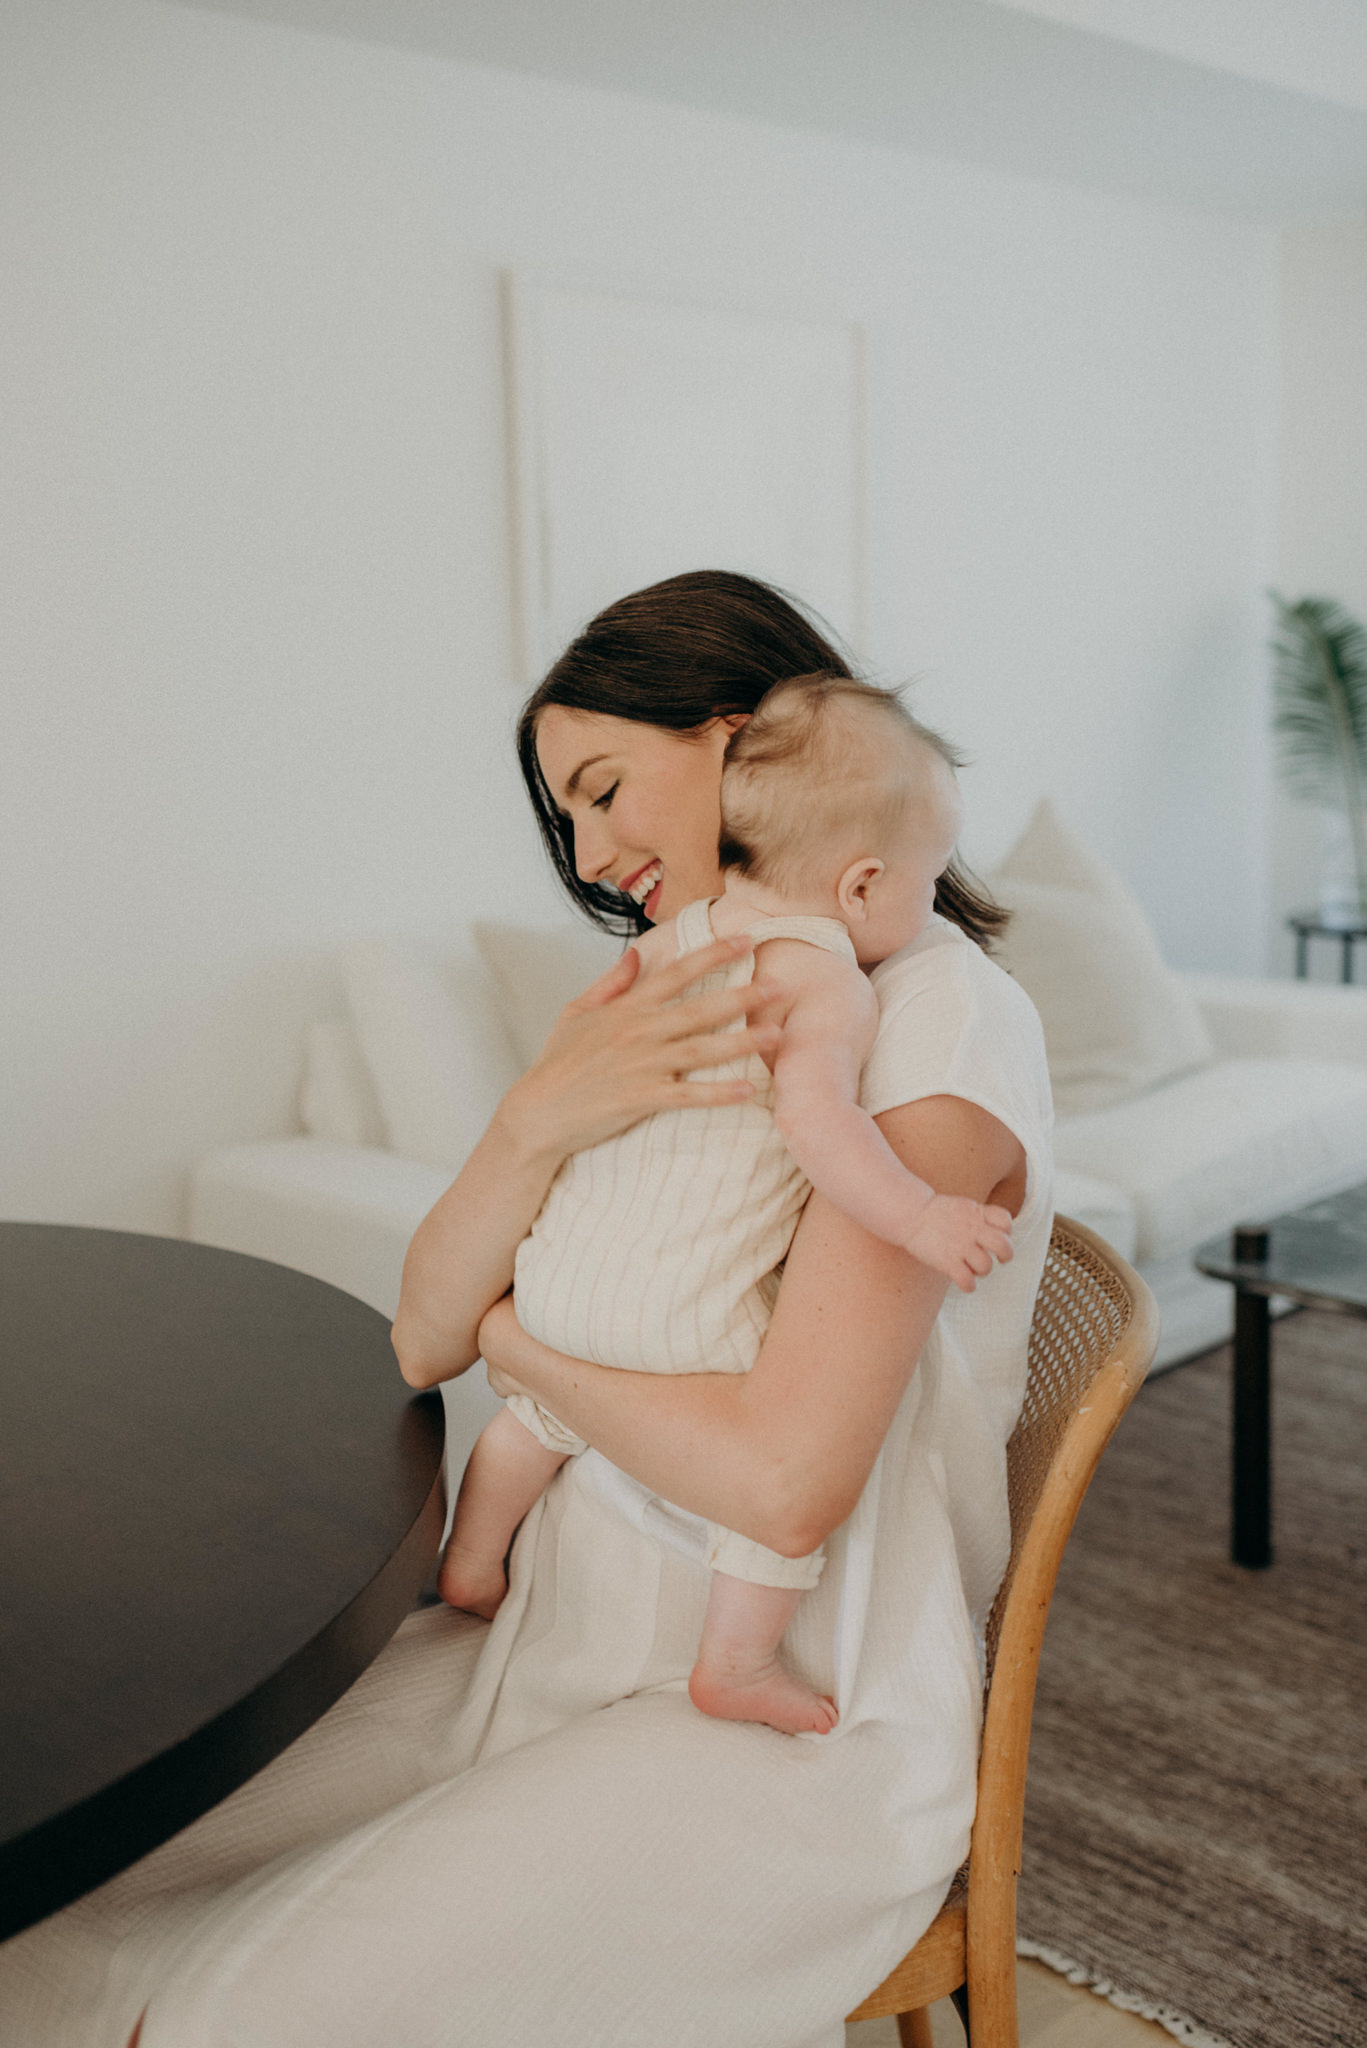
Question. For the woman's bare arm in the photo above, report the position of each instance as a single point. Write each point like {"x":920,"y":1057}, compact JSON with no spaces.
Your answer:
{"x":781,"y":1453}
{"x":619,"y":1052}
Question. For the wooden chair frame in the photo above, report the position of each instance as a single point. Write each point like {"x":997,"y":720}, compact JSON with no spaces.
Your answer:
{"x":1092,"y":1340}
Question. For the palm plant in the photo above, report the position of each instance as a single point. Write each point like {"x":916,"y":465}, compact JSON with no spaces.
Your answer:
{"x":1319,"y":683}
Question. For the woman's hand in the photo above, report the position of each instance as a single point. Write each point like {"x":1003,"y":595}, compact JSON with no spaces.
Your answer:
{"x":621,"y":1051}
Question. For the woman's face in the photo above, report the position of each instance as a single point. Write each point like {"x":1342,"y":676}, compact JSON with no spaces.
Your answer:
{"x":644,"y":802}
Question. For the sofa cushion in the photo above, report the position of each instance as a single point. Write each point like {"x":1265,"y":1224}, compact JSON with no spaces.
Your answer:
{"x":536,"y":972}
{"x":1224,"y":1145}
{"x":1116,"y":1018}
{"x":434,"y":1043}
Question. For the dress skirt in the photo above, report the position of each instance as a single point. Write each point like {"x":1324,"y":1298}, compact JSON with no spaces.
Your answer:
{"x":519,"y":1834}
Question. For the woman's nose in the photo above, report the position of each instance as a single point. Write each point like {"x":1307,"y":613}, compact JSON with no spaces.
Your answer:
{"x":594,"y":851}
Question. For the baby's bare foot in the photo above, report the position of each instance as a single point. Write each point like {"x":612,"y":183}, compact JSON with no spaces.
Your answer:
{"x":768,"y":1694}
{"x":477,"y":1585}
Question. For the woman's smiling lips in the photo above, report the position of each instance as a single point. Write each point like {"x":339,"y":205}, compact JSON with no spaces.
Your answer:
{"x":643,"y":883}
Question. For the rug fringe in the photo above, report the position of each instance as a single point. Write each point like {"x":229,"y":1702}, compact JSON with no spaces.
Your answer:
{"x":1175,"y":2023}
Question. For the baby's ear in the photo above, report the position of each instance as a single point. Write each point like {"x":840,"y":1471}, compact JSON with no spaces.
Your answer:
{"x":852,"y":890}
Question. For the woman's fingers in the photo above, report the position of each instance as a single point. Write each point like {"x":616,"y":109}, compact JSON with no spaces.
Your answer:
{"x":696,"y":1031}
{"x":696,"y":1016}
{"x":715,"y":1048}
{"x":699,"y":1031}
{"x":660,"y":995}
{"x":623,"y":1049}
{"x":680,"y":974}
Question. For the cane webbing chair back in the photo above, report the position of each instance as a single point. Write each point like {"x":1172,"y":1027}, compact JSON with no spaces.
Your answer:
{"x":1082,"y":1310}
{"x":1092,"y":1339}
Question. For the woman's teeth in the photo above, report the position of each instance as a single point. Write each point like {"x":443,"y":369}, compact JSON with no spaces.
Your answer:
{"x":645,"y":882}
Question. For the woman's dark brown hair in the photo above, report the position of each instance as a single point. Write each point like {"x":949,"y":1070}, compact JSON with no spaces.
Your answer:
{"x":679,"y":654}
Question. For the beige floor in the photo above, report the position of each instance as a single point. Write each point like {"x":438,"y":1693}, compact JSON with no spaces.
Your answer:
{"x":1053,"y":2014}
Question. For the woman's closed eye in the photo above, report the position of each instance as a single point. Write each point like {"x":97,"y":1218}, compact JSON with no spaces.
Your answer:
{"x":604,"y":802}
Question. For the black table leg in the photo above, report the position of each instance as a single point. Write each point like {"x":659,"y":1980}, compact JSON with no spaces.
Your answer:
{"x":1252,"y":1432}
{"x":1347,"y":956}
{"x":1302,"y":955}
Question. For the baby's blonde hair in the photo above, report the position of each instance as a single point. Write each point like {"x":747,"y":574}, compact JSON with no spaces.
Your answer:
{"x":826,"y":766}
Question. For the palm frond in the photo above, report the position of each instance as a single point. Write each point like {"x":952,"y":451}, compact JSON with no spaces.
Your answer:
{"x":1320,"y":700}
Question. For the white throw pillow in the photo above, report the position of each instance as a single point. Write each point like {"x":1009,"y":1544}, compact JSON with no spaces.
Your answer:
{"x":338,"y":1102}
{"x":1116,"y":1019}
{"x":434,"y":1043}
{"x":538,"y":972}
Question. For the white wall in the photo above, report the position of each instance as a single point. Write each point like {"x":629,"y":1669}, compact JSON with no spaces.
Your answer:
{"x":259,"y":692}
{"x":1322,"y":499}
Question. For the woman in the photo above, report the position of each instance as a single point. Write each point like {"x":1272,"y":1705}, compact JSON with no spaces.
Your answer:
{"x":525,"y":1831}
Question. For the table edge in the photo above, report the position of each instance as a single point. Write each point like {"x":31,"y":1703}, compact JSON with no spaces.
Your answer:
{"x":72,"y":1853}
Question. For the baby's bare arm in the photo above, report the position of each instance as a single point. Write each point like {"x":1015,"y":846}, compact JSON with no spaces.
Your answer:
{"x":826,"y":1036}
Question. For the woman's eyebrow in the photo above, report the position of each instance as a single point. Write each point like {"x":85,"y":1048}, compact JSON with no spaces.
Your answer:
{"x":584,"y":766}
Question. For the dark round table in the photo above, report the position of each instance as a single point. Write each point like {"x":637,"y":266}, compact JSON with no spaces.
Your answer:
{"x":218,"y":1500}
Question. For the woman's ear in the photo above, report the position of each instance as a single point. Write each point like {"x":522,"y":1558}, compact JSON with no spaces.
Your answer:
{"x":853,"y":889}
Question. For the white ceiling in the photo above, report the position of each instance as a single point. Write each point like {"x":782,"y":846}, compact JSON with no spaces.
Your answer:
{"x":1256,"y":107}
{"x":1312,"y":46}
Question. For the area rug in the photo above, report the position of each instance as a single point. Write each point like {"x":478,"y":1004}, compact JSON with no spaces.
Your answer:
{"x":1196,"y":1818}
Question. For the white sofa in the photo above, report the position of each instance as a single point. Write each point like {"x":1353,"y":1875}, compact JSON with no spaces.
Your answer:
{"x":396,"y":1091}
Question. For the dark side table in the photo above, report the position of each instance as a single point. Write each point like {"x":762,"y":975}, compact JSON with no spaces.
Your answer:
{"x":218,"y":1500}
{"x":1316,"y":1256}
{"x":1311,"y":924}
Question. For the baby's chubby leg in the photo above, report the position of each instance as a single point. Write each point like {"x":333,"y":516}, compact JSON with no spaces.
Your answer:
{"x":506,"y":1474}
{"x":738,"y":1676}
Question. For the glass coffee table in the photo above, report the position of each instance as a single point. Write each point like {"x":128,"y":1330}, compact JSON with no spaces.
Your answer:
{"x":1316,"y":1256}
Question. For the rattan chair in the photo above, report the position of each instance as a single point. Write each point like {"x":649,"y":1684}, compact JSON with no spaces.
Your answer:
{"x":1092,"y":1339}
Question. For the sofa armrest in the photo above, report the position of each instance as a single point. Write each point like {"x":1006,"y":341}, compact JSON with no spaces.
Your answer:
{"x":345,"y":1214}
{"x":1305,"y":1019}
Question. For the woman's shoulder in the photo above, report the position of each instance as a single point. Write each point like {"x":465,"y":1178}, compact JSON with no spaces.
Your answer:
{"x":944,"y":967}
{"x":952,"y":1021}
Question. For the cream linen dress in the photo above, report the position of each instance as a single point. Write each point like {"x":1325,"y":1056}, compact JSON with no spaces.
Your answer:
{"x":521,"y":1834}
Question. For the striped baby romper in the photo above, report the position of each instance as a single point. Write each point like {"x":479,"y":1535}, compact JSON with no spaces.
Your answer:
{"x":659,"y":1250}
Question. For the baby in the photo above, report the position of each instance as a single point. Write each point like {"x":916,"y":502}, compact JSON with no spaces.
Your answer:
{"x":659,"y":1250}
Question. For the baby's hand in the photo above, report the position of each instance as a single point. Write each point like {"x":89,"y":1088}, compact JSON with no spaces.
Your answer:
{"x":960,"y":1238}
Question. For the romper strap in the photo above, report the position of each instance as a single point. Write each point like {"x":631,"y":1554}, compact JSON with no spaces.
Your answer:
{"x":693,"y":928}
{"x":693,"y":925}
{"x":828,"y":934}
